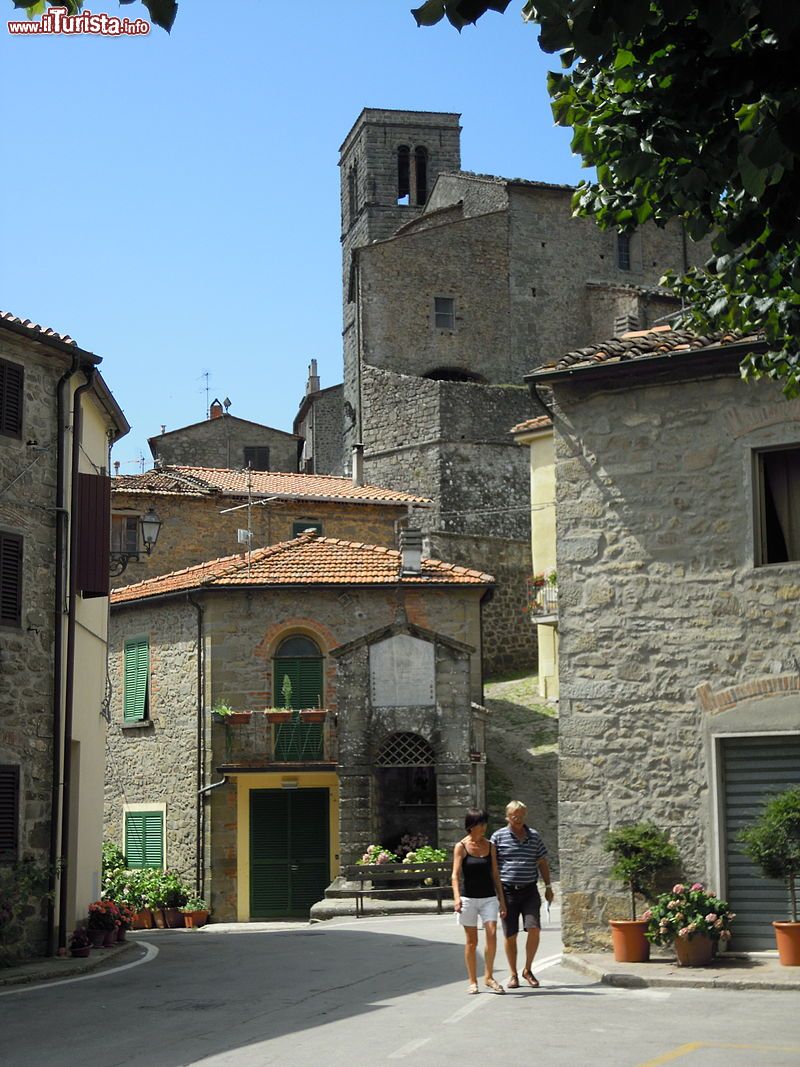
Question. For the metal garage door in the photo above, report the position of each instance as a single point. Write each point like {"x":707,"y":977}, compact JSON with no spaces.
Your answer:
{"x":754,"y":769}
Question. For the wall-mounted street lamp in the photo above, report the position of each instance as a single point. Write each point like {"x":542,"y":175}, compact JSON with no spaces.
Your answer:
{"x":150,"y":527}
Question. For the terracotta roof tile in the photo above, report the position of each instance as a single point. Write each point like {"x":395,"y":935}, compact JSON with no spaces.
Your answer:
{"x":36,"y":329}
{"x":541,"y":422}
{"x":305,"y":560}
{"x":642,"y":344}
{"x":202,"y":481}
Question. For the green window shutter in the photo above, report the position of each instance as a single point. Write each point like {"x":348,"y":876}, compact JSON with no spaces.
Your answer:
{"x":137,"y":670}
{"x":306,"y":678}
{"x":144,"y":839}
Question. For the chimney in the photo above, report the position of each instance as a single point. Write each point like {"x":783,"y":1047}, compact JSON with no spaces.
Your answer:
{"x":116,"y":468}
{"x":312,"y":385}
{"x":215,"y":411}
{"x":358,"y":464}
{"x":410,"y":551}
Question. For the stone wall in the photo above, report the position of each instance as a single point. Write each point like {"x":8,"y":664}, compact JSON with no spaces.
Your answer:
{"x":155,"y":762}
{"x":321,"y":430}
{"x":26,"y":692}
{"x":659,"y":598}
{"x":194,"y":530}
{"x":220,"y":443}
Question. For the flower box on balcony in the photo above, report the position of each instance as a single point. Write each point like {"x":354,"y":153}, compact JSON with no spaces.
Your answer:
{"x":312,"y":714}
{"x":276,"y":716}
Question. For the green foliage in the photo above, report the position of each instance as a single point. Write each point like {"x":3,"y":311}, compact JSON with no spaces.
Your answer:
{"x":687,"y":911}
{"x":286,"y":691}
{"x":195,"y":903}
{"x":145,"y":887}
{"x":459,"y":13}
{"x":426,"y":854}
{"x":161,"y":12}
{"x":773,"y":842}
{"x":642,"y":853}
{"x":689,"y":111}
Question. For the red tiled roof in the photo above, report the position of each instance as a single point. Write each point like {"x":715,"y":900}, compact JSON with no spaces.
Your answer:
{"x":305,"y":560}
{"x":201,"y":481}
{"x":541,"y":422}
{"x":642,"y":344}
{"x":35,"y":329}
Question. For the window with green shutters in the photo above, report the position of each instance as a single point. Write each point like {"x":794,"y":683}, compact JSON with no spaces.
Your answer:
{"x":299,"y":660}
{"x":144,"y":838}
{"x":137,"y":673}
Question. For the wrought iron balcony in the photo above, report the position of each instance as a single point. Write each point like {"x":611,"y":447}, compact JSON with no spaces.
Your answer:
{"x":262,"y":738}
{"x":543,"y":599}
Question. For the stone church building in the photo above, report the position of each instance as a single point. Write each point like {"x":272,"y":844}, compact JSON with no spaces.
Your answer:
{"x":454,"y":286}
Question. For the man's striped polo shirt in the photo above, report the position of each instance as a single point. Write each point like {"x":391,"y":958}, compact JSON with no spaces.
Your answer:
{"x":518,"y":860}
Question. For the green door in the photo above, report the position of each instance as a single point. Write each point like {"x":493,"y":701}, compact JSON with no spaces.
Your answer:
{"x":289,"y":851}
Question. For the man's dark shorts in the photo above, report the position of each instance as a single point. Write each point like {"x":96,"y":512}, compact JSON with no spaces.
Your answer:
{"x":524,"y":901}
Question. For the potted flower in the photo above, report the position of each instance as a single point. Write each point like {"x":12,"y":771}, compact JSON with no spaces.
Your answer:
{"x":125,"y":915}
{"x":773,"y":842}
{"x":195,"y":912}
{"x":80,"y":944}
{"x":312,"y":714}
{"x":692,"y":918}
{"x":642,"y":854}
{"x":103,"y":921}
{"x":173,"y":895}
{"x":377,"y":854}
{"x":226,"y":714}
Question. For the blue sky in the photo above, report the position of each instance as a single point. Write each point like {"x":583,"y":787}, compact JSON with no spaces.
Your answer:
{"x":172,"y":201}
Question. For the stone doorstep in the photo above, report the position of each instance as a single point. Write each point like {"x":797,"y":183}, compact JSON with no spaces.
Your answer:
{"x":754,"y":971}
{"x":30,"y":972}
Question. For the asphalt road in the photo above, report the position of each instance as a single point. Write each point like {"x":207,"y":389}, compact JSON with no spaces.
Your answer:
{"x":374,"y":991}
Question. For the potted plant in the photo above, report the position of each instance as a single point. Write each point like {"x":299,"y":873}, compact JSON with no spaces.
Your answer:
{"x":312,"y":714}
{"x":80,"y":944}
{"x":226,"y":714}
{"x":642,"y":853}
{"x":195,"y":912}
{"x":125,"y":920}
{"x":286,"y":713}
{"x":103,"y":920}
{"x":173,"y":894}
{"x":773,"y":842}
{"x":692,"y":918}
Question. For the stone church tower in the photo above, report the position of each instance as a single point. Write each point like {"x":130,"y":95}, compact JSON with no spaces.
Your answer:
{"x":388,"y":165}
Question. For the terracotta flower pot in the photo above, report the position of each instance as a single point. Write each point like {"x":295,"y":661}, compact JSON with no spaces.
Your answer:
{"x":142,"y":920}
{"x":110,"y":938}
{"x":279,"y":716}
{"x":199,"y":918}
{"x":313,"y":715}
{"x":173,"y":918}
{"x":158,"y":919}
{"x":81,"y":953}
{"x":787,"y":936}
{"x":696,"y":951}
{"x":121,"y":931}
{"x":630,"y":944}
{"x":238,"y":717}
{"x":97,"y":937}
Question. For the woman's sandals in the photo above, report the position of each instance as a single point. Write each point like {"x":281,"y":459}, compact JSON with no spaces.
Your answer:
{"x":472,"y":988}
{"x":495,"y":986}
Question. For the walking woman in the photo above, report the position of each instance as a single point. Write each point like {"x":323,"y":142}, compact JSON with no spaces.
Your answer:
{"x":475,"y":866}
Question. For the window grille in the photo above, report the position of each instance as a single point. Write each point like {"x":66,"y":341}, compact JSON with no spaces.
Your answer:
{"x":405,"y":750}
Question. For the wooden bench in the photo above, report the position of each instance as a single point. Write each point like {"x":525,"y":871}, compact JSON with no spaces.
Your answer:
{"x":430,"y":879}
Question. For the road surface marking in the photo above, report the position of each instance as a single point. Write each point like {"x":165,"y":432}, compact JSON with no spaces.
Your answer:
{"x":150,"y":954}
{"x":695,"y":1046}
{"x":408,"y":1048}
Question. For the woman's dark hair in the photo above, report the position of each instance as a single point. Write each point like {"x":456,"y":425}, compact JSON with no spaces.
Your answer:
{"x":474,"y":817}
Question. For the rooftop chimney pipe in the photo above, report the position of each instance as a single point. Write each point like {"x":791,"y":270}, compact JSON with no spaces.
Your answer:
{"x":358,"y":464}
{"x":411,"y":551}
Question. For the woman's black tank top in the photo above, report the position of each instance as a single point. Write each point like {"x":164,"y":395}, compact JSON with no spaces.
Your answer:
{"x":477,"y":871}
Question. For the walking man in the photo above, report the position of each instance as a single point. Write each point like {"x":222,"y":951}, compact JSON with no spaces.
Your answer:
{"x":521,"y":857}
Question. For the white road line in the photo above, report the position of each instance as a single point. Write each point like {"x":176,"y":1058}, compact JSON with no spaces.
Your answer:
{"x":457,"y":1016}
{"x":150,"y":954}
{"x":408,"y":1048}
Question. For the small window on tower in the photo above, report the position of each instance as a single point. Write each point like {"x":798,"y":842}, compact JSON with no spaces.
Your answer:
{"x":420,"y":175}
{"x":403,"y":173}
{"x":624,"y":251}
{"x":444,"y":312}
{"x":352,"y":188}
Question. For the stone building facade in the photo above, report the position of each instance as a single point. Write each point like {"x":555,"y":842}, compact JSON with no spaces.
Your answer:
{"x":319,"y":423}
{"x":454,"y":285}
{"x":53,"y":610}
{"x":201,"y":512}
{"x":678,"y":551}
{"x":225,"y":441}
{"x":217,"y":634}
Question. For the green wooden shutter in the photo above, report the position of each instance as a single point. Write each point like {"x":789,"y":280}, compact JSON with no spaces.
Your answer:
{"x":269,"y":852}
{"x":144,"y":839}
{"x":306,"y":678}
{"x":137,"y":669}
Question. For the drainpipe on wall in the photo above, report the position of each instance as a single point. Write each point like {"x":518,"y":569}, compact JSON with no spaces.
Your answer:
{"x":200,"y":835}
{"x":58,"y":614}
{"x":69,"y":693}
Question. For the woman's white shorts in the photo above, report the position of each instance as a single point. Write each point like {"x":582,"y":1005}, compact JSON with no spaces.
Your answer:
{"x":472,"y":907}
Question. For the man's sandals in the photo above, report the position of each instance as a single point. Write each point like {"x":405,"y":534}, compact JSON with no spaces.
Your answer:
{"x":530,"y":978}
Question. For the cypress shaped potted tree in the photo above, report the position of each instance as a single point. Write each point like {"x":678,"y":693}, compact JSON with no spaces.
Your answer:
{"x":642,"y":854}
{"x":773,"y":842}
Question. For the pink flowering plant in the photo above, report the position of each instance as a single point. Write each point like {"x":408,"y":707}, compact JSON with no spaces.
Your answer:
{"x":686,"y":911}
{"x":378,"y":854}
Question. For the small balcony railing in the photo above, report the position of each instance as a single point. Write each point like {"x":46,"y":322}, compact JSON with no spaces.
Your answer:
{"x":543,"y":598}
{"x":259,"y":738}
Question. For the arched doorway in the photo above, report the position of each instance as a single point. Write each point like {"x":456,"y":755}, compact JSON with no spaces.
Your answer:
{"x":405,"y":773}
